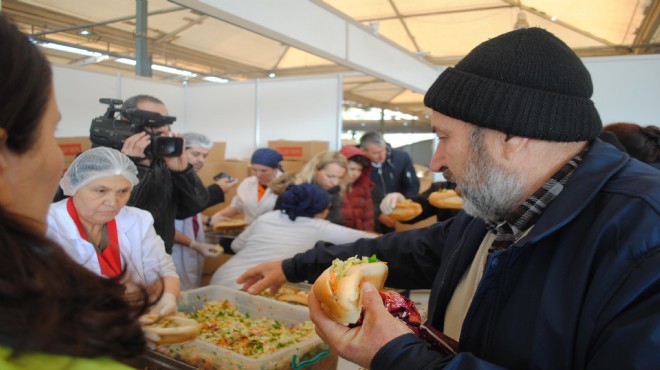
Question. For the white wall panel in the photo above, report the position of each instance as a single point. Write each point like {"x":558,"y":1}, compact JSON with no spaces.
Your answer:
{"x":224,"y":113}
{"x":78,"y":92}
{"x":300,"y":109}
{"x":626,"y":89}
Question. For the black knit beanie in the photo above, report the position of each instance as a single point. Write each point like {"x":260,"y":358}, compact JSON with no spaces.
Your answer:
{"x":526,"y":83}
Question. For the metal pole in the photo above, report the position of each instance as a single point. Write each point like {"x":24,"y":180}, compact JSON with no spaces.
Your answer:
{"x":142,"y":58}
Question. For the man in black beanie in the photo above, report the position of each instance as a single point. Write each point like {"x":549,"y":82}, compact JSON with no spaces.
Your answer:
{"x":553,"y":263}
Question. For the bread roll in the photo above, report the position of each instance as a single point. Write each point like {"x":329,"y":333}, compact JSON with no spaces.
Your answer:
{"x":445,"y":198}
{"x":298,"y":298}
{"x":171,"y":329}
{"x":230,"y":224}
{"x":339,"y":289}
{"x":406,"y":210}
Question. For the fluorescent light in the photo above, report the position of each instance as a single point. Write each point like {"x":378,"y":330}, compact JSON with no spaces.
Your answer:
{"x":158,"y":67}
{"x":70,"y":49}
{"x":215,"y":79}
{"x":100,"y":57}
{"x":125,"y":61}
{"x":174,"y":71}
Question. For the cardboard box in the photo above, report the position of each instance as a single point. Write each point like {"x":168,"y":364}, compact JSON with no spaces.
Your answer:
{"x":290,"y":166}
{"x":72,"y":146}
{"x":298,"y":150}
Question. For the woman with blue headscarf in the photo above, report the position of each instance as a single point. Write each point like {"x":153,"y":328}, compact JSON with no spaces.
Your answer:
{"x":294,"y":228}
{"x":253,"y":197}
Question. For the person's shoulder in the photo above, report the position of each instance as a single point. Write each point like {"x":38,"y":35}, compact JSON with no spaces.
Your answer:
{"x":58,"y":206}
{"x":248,"y":181}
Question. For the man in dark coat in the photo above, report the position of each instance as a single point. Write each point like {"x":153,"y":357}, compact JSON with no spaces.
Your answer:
{"x":554,"y":261}
{"x":392,"y":171}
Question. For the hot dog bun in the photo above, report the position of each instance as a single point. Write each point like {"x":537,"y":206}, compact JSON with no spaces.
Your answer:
{"x":406,"y":210}
{"x":298,"y":298}
{"x":342,"y":301}
{"x":171,"y":329}
{"x":445,"y":198}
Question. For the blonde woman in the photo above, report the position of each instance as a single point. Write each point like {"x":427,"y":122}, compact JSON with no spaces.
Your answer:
{"x":328,"y":171}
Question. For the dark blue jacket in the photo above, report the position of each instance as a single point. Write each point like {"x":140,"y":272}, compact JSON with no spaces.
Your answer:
{"x":396,"y":175}
{"x":580,"y":291}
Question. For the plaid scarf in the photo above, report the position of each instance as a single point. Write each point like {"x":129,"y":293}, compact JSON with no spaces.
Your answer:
{"x":525,"y":215}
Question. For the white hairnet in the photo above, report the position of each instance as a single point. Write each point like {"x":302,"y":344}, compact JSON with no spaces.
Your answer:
{"x":96,"y":163}
{"x":195,"y":140}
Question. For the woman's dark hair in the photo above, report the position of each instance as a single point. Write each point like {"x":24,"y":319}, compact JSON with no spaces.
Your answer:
{"x":304,"y":200}
{"x":48,"y":302}
{"x":640,"y":142}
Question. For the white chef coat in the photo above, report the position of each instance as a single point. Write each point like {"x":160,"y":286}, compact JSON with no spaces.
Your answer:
{"x":247,"y":200}
{"x":189,"y":264}
{"x":274,"y":236}
{"x":141,"y":250}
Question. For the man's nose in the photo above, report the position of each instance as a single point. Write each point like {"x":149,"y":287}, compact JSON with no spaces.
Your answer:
{"x":438,"y":161}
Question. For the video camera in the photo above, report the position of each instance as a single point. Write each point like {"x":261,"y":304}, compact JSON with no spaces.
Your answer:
{"x":112,"y":129}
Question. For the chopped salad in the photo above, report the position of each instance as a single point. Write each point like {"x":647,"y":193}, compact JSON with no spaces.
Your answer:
{"x":223,"y":325}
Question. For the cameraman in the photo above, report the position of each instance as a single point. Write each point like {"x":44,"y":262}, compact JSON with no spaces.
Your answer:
{"x":169,"y":188}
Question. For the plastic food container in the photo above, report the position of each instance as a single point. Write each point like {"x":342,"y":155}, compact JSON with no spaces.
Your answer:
{"x":311,"y":353}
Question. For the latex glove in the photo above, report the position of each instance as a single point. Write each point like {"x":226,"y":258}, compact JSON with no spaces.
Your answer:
{"x":166,"y":305}
{"x":389,"y":202}
{"x":206,"y":250}
{"x":152,"y":338}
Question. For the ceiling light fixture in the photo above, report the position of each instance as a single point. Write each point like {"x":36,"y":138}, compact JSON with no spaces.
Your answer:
{"x":521,"y":22}
{"x":85,"y":32}
{"x":272,"y":75}
{"x":70,"y":49}
{"x":215,"y":79}
{"x":172,"y":70}
{"x":161,"y":68}
{"x":375,"y":26}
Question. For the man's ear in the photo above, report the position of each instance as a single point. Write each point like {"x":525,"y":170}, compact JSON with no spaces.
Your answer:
{"x":512,"y":146}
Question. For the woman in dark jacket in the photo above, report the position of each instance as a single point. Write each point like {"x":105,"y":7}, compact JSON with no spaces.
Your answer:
{"x":357,"y":210}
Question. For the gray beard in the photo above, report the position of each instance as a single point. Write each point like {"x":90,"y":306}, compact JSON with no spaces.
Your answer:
{"x":489,"y":192}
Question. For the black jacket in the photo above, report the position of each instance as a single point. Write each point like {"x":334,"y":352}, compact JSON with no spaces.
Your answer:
{"x":581,"y":290}
{"x":168,"y":195}
{"x":395,"y":175}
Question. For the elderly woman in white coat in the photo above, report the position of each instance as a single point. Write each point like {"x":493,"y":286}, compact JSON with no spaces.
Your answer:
{"x":99,"y":231}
